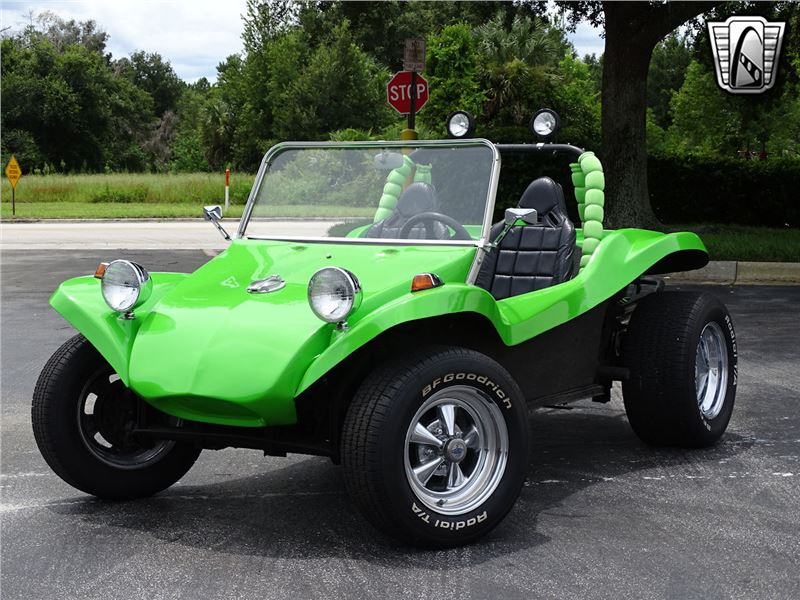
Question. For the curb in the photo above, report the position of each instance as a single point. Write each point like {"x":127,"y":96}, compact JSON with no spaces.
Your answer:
{"x":731,"y":272}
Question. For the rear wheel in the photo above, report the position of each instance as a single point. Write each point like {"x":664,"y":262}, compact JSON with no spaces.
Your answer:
{"x":435,"y":447}
{"x":83,"y":421}
{"x":681,"y":351}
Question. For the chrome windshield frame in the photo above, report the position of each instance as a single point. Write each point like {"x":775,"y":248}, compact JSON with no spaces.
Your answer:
{"x":491,"y":195}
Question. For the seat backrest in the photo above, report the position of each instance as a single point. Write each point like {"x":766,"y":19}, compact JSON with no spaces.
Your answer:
{"x":532,"y":257}
{"x":547,"y":197}
{"x":417,"y":198}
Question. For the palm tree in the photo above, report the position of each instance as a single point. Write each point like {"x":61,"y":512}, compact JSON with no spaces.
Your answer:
{"x":514,"y":59}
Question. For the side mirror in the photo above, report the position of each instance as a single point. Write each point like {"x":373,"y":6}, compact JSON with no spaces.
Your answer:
{"x":214,"y":214}
{"x":388,"y":161}
{"x":529,"y":215}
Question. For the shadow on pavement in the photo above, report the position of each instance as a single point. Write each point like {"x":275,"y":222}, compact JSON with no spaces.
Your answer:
{"x":302,"y":510}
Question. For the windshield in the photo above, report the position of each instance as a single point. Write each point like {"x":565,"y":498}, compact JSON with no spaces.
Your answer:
{"x":433,"y":192}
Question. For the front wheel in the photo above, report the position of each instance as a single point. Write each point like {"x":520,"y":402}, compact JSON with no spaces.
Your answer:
{"x":681,"y":351}
{"x":435,"y":447}
{"x":83,"y":421}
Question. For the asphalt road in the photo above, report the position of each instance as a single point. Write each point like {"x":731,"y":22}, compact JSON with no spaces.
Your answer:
{"x":600,"y":516}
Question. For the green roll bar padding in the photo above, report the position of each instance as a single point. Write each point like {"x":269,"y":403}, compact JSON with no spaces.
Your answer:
{"x":590,"y":183}
{"x":424,"y":174}
{"x":393,"y":188}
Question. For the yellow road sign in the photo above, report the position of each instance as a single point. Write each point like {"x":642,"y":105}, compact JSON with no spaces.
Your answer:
{"x":13,"y":171}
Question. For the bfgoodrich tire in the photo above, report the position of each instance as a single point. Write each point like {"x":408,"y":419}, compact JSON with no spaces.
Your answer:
{"x":435,"y":447}
{"x":680,"y":348}
{"x":82,"y":415}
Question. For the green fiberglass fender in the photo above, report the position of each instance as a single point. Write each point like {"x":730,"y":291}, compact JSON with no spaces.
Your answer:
{"x":212,"y":351}
{"x":623,"y":256}
{"x":81,"y":303}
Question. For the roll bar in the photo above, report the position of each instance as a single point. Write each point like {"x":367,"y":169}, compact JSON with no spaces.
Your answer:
{"x":541,"y":148}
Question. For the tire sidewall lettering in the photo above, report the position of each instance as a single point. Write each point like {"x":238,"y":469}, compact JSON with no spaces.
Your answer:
{"x":486,"y":384}
{"x":503,"y":394}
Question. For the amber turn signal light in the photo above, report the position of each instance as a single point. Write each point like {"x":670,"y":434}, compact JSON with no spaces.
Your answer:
{"x":101,"y":270}
{"x":425,"y":281}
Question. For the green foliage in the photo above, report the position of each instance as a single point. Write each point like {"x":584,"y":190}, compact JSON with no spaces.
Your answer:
{"x":21,"y":144}
{"x":704,"y":120}
{"x":452,"y":74}
{"x":187,"y":153}
{"x":668,"y":66}
{"x":575,"y":97}
{"x":74,"y":109}
{"x":339,"y":87}
{"x":515,"y":64}
{"x":710,"y":189}
{"x":149,"y":72}
{"x":194,"y":189}
{"x":317,"y":70}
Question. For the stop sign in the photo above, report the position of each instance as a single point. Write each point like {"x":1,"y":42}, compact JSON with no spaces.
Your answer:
{"x":398,"y":92}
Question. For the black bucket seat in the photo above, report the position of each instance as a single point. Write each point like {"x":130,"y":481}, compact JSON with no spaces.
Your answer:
{"x":417,"y":198}
{"x":532,"y":257}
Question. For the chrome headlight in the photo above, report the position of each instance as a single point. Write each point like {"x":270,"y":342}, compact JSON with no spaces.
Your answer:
{"x":545,"y":123}
{"x":333,"y":294}
{"x":460,"y":124}
{"x":125,"y":285}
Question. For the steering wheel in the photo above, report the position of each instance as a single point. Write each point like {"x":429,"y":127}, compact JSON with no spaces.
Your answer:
{"x":428,"y":219}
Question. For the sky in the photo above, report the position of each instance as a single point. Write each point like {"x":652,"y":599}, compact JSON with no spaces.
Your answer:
{"x":194,"y":35}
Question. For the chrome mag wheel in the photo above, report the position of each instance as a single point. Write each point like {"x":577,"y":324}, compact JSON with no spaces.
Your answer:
{"x":711,"y":370}
{"x":456,"y":450}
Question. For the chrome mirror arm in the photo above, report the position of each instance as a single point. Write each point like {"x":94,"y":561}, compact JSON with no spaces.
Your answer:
{"x":214,"y":214}
{"x":528,"y":215}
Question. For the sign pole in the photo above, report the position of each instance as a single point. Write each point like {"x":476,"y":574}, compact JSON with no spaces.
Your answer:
{"x":227,"y":189}
{"x":13,"y":172}
{"x":412,"y":114}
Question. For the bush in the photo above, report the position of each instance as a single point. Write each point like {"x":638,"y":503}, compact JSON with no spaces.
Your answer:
{"x":745,"y":192}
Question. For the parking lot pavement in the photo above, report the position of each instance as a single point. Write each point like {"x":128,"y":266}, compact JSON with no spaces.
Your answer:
{"x":140,"y":234}
{"x":601,"y":515}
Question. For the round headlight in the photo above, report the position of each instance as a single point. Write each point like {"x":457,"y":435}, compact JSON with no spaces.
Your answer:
{"x":333,"y":294}
{"x":545,"y":123}
{"x":125,"y":285}
{"x":460,"y":124}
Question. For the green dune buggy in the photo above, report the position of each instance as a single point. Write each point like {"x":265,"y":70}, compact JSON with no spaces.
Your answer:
{"x":369,"y":309}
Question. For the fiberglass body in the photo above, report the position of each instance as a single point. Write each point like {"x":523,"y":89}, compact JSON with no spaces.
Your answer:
{"x":205,"y":349}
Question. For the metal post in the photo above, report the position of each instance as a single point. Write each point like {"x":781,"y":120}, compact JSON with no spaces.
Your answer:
{"x":13,"y":201}
{"x":413,"y":112}
{"x":227,"y":189}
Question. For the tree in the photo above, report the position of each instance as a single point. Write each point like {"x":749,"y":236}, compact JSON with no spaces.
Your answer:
{"x":704,"y":121}
{"x":379,"y":28}
{"x":63,"y":33}
{"x":665,"y":76}
{"x":73,"y":108}
{"x":339,"y":87}
{"x":575,"y":95}
{"x":632,"y":30}
{"x":452,"y":74}
{"x":514,"y":63}
{"x":150,"y":72}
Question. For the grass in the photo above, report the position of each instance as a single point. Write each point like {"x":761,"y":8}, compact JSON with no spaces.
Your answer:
{"x":161,"y":210}
{"x":140,"y":195}
{"x":144,"y":195}
{"x":739,"y":242}
{"x":130,"y":188}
